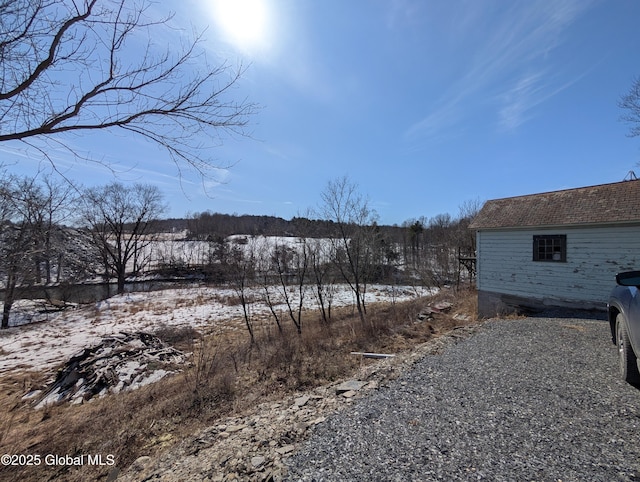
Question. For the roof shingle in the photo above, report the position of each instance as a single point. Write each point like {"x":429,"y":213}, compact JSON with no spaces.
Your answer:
{"x":607,"y":203}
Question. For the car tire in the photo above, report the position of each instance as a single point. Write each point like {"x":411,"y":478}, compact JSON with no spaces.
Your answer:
{"x":627,"y":358}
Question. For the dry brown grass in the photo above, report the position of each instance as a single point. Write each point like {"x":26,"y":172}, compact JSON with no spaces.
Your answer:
{"x":227,"y":375}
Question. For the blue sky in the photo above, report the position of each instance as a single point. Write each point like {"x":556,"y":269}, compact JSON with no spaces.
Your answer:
{"x":423,"y":104}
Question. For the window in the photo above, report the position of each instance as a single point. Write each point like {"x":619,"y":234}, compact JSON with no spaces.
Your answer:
{"x":550,"y":248}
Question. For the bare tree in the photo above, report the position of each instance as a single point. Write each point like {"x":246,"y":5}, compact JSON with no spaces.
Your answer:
{"x":264,"y":269}
{"x":352,"y":240}
{"x":466,"y":238}
{"x":243,"y":266}
{"x":119,"y":218}
{"x":291,"y":265}
{"x":59,"y":198}
{"x":282,"y":271}
{"x":324,"y":281}
{"x":21,"y":207}
{"x":441,"y":263}
{"x":630,"y":102}
{"x":70,"y":66}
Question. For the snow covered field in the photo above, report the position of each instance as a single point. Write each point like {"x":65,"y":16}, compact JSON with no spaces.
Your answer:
{"x":174,"y":249}
{"x":47,"y":340}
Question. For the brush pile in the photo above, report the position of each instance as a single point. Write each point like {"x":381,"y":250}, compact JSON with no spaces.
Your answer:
{"x":119,"y":362}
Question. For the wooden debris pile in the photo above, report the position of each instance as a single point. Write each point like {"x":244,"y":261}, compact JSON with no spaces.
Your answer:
{"x":123,"y":361}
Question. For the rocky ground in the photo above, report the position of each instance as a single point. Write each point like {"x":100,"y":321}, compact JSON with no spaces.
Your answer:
{"x":536,"y":399}
{"x":526,"y":399}
{"x":256,"y":445}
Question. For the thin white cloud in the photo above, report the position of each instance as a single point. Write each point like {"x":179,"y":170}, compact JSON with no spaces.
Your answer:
{"x":518,"y":101}
{"x":529,"y":91}
{"x":434,"y":126}
{"x":507,"y":54}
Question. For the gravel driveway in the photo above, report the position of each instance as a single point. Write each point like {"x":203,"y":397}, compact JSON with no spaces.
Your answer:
{"x":528,"y":399}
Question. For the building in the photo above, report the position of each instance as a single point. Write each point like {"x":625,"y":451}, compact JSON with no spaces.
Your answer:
{"x":560,"y":248}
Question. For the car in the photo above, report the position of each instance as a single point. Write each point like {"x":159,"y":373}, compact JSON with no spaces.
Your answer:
{"x":624,"y":320}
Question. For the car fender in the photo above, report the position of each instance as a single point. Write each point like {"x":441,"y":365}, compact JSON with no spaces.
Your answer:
{"x":619,"y":302}
{"x":626,"y":300}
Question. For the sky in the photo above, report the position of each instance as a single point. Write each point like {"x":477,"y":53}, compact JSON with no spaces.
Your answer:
{"x":425,"y":105}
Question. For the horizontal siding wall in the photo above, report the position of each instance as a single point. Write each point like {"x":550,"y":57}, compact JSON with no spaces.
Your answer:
{"x":594,"y":256}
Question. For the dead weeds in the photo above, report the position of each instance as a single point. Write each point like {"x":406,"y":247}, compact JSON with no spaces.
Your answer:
{"x":227,"y":374}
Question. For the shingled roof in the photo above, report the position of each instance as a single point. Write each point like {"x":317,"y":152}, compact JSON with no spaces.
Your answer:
{"x":604,"y":204}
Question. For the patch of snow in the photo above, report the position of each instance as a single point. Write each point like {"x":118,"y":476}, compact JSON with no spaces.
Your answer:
{"x":45,"y":341}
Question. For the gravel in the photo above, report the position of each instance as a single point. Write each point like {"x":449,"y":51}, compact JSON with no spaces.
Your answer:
{"x":524,"y":399}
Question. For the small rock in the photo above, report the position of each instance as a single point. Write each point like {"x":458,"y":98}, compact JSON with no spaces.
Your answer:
{"x":235,"y":428}
{"x":351,"y":385}
{"x":300,"y":427}
{"x":349,"y":394}
{"x":140,"y":463}
{"x":286,"y":449}
{"x":257,"y":462}
{"x":302,"y":401}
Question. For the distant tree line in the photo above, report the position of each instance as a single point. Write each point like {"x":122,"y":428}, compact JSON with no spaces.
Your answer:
{"x":425,"y":248}
{"x":208,"y":225}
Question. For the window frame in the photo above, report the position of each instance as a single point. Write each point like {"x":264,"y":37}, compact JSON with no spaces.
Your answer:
{"x":551,"y":244}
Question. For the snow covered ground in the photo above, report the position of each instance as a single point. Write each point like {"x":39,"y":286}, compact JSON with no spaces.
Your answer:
{"x":44,"y":341}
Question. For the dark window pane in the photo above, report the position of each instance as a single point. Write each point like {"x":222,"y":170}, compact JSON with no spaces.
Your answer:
{"x":550,"y":248}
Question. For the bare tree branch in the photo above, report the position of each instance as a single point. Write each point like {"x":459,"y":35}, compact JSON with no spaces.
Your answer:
{"x":631,"y":103}
{"x":79,"y":66}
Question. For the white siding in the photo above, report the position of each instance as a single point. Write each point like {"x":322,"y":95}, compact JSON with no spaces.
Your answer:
{"x":594,"y":256}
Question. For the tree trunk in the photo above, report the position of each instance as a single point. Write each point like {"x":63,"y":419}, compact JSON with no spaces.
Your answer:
{"x":121,"y":279}
{"x":361,"y":311}
{"x":323,"y":311}
{"x":5,"y":313}
{"x":59,"y":272}
{"x":9,"y":294}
